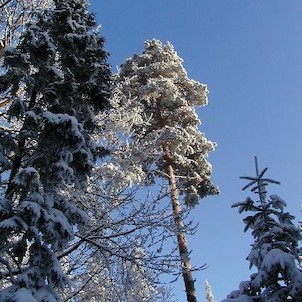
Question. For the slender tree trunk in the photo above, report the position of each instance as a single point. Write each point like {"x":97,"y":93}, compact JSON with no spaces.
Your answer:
{"x":182,"y":242}
{"x":181,"y":238}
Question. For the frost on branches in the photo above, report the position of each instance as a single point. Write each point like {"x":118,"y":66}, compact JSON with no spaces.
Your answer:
{"x":209,"y":293}
{"x":59,"y":64}
{"x":154,"y":104}
{"x":153,"y":110}
{"x":275,"y":253}
{"x":114,"y":279}
{"x":118,"y":254}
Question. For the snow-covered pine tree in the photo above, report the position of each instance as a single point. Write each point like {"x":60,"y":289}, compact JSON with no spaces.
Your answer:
{"x":45,"y":144}
{"x":274,"y":253}
{"x":154,"y":104}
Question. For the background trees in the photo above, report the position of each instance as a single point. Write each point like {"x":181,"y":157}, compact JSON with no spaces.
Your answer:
{"x":45,"y":144}
{"x":118,"y":255}
{"x":274,"y":253}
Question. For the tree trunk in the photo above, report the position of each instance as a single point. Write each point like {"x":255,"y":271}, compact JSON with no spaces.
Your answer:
{"x":182,"y":242}
{"x":181,"y":238}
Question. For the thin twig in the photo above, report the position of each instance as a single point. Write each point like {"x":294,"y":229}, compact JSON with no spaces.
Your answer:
{"x":3,"y":4}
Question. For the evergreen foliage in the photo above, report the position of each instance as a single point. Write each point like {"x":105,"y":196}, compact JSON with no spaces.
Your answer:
{"x":14,"y":14}
{"x":274,"y":253}
{"x":60,"y":67}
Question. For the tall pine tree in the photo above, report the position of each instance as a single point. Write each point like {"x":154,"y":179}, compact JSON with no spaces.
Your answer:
{"x":154,"y":104}
{"x":61,"y":66}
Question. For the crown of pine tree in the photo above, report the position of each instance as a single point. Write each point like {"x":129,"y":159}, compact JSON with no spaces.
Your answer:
{"x":156,"y":101}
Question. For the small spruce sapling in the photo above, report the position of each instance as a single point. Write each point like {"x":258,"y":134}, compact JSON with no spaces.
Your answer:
{"x":274,"y":253}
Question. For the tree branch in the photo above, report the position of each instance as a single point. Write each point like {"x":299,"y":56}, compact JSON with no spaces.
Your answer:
{"x":3,"y":4}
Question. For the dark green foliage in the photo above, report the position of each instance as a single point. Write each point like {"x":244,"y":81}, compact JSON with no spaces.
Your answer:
{"x":56,"y":79}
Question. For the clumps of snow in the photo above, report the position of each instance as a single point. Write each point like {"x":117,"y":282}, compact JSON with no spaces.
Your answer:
{"x":28,"y":176}
{"x":242,"y":298}
{"x":275,"y":250}
{"x":21,"y":295}
{"x":277,"y":202}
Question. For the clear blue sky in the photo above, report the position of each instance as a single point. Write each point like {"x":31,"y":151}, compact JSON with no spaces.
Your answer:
{"x":249,"y":53}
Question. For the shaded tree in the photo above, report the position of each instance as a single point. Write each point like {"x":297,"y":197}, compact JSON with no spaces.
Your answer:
{"x":14,"y":14}
{"x":46,"y":144}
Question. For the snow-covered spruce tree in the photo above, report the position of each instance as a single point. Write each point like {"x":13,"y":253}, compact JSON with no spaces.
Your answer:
{"x":45,"y":144}
{"x":154,"y":104}
{"x":274,"y":253}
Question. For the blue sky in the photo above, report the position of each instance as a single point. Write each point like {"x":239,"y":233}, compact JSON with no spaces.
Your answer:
{"x":249,"y":53}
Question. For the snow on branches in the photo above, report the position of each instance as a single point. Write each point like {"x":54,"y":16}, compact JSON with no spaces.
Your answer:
{"x":46,"y":144}
{"x":274,"y":253}
{"x":153,"y":103}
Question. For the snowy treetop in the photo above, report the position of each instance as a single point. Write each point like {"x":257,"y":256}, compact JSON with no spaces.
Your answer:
{"x":154,"y":106}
